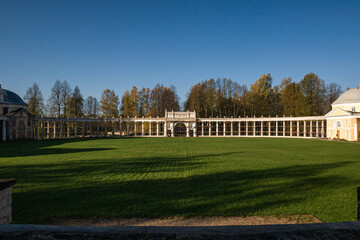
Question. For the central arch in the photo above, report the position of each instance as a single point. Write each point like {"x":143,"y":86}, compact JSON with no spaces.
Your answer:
{"x":180,"y":130}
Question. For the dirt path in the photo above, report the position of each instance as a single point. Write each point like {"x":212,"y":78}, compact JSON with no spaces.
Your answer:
{"x":180,"y":221}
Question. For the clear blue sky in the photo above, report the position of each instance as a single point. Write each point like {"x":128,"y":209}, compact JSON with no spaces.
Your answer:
{"x":118,"y":44}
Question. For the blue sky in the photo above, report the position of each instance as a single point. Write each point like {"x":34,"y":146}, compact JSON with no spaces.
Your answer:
{"x":118,"y":44}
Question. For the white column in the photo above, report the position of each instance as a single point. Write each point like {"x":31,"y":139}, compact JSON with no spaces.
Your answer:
{"x":202,"y":128}
{"x":298,"y":129}
{"x":231,"y":128}
{"x":142,"y":128}
{"x":224,"y":128}
{"x":83,"y":129}
{"x":254,"y":128}
{"x":172,"y":128}
{"x":305,"y":128}
{"x":165,"y":130}
{"x":3,"y":137}
{"x":247,"y":128}
{"x":284,"y":127}
{"x":61,"y":129}
{"x":97,"y":129}
{"x":54,"y":130}
{"x":42,"y":129}
{"x":135,"y":128}
{"x":209,"y":129}
{"x":157,"y":129}
{"x":269,"y":128}
{"x":48,"y":129}
{"x":187,"y":130}
{"x":90,"y":128}
{"x":277,"y":128}
{"x":217,"y":128}
{"x":195,"y":130}
{"x":68,"y":129}
{"x":322,"y":129}
{"x":356,"y":137}
{"x":317,"y":128}
{"x":311,"y":130}
{"x":291,"y":128}
{"x":75,"y":123}
{"x":150,"y":129}
{"x":128,"y":128}
{"x":261,"y":128}
{"x":120,"y":127}
{"x":239,"y":129}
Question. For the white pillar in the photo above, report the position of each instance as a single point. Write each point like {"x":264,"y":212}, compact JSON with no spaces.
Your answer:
{"x":284,"y":127}
{"x":202,"y":128}
{"x":42,"y":129}
{"x":54,"y":130}
{"x":61,"y":129}
{"x":75,"y":123}
{"x":322,"y":129}
{"x":356,"y":137}
{"x":187,"y":130}
{"x":172,"y":128}
{"x":150,"y":129}
{"x":3,"y":137}
{"x":247,"y":128}
{"x":261,"y":128}
{"x":231,"y":128}
{"x":209,"y":129}
{"x":317,"y":128}
{"x":157,"y":129}
{"x":298,"y":129}
{"x":224,"y":128}
{"x":254,"y":128}
{"x":269,"y":128}
{"x":128,"y":129}
{"x":48,"y":129}
{"x":291,"y":128}
{"x":120,"y":127}
{"x":217,"y":128}
{"x":165,"y":130}
{"x":195,"y":130}
{"x":305,"y":128}
{"x":90,"y":126}
{"x":277,"y":128}
{"x":97,"y":129}
{"x":142,"y":128}
{"x":239,"y":129}
{"x":311,"y":130}
{"x":135,"y":129}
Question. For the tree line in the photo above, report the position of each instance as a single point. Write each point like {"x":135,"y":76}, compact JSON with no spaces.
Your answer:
{"x":209,"y":98}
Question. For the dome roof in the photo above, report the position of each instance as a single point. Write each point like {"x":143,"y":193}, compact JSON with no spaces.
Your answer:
{"x":350,"y":96}
{"x":9,"y":97}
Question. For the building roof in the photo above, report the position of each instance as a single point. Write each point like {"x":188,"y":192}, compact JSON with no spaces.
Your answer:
{"x":350,"y":96}
{"x":9,"y":97}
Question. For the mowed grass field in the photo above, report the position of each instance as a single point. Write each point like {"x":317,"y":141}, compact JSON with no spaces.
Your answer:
{"x":167,"y":177}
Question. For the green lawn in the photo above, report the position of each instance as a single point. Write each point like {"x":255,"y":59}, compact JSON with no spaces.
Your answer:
{"x":161,"y":177}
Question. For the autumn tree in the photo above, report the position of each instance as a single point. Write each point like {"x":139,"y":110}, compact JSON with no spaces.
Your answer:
{"x":91,"y":107}
{"x":55,"y":100}
{"x":144,"y":102}
{"x":65,"y":93}
{"x":260,"y":93}
{"x":313,"y":90}
{"x":109,"y":103}
{"x":35,"y":101}
{"x":333,"y":92}
{"x":130,"y":103}
{"x":75,"y":104}
{"x":161,"y":99}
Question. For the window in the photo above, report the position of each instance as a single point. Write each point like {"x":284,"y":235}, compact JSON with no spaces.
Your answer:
{"x":338,"y":124}
{"x":345,"y":121}
{"x":346,"y":134}
{"x":5,"y":110}
{"x":353,"y":109}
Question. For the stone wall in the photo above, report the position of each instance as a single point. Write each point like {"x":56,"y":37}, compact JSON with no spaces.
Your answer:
{"x":6,"y":200}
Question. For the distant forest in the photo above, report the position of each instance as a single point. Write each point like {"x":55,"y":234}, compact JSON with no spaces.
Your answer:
{"x":220,"y":97}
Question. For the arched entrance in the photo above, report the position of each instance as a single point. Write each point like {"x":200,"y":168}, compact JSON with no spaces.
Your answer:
{"x":180,"y":130}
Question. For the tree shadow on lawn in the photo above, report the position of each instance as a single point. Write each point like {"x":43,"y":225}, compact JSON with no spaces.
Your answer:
{"x":286,"y":190}
{"x":43,"y":147}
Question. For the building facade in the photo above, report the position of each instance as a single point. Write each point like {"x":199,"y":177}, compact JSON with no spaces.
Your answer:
{"x":15,"y":120}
